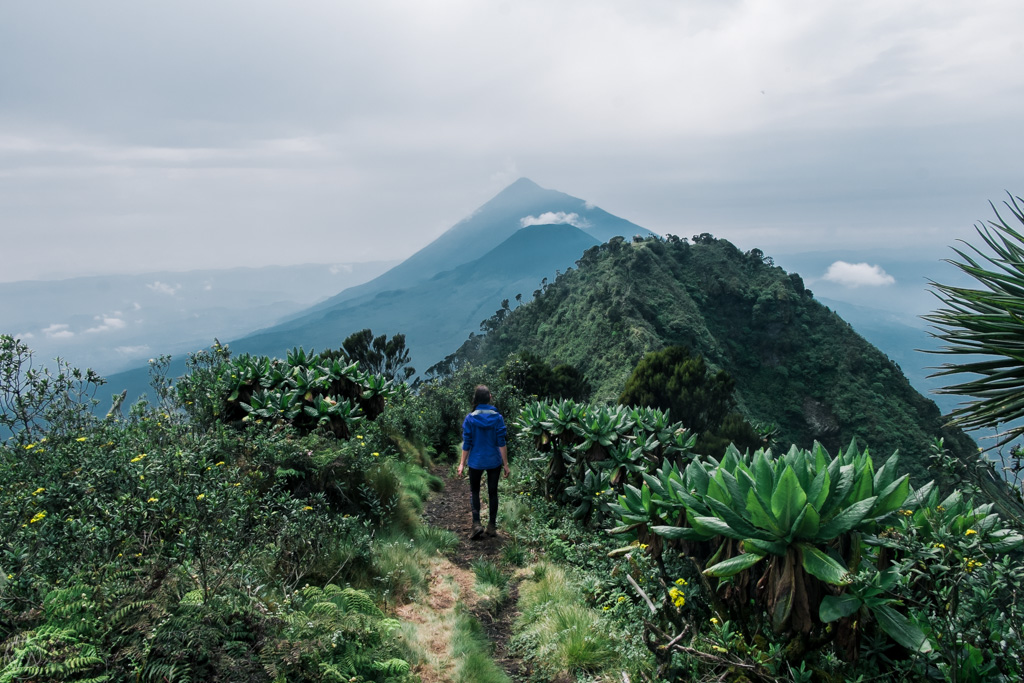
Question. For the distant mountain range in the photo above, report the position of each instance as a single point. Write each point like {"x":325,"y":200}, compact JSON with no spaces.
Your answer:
{"x":440,"y":295}
{"x":437,"y":297}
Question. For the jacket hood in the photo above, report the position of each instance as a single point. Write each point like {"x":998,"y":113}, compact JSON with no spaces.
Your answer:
{"x":485,"y":417}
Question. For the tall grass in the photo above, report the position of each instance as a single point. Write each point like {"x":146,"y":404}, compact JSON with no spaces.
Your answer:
{"x":435,"y":540}
{"x":513,"y":513}
{"x":399,"y":570}
{"x":491,"y":585}
{"x":472,"y":650}
{"x":556,"y":631}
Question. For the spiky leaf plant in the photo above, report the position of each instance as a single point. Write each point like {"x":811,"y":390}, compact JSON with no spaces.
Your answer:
{"x":988,"y":322}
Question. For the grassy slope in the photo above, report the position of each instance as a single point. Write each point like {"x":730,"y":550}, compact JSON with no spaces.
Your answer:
{"x":795,"y":362}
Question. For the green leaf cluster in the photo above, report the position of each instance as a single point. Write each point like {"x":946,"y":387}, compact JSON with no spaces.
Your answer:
{"x":594,"y":451}
{"x":305,"y":390}
{"x":803,"y":510}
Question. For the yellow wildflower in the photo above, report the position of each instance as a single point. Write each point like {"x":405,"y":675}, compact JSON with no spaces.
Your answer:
{"x":606,"y":608}
{"x":359,"y":436}
{"x":80,"y":439}
{"x":201,"y":496}
{"x":38,"y":517}
{"x":219,"y":464}
{"x":719,"y":648}
{"x":38,"y":491}
{"x":308,"y":507}
{"x":621,"y":598}
{"x":970,"y":565}
{"x":376,"y":454}
{"x":681,"y":582}
{"x":152,"y":500}
{"x":138,"y":457}
{"x":714,"y":621}
{"x":30,"y":447}
{"x":939,"y":545}
{"x":970,"y":532}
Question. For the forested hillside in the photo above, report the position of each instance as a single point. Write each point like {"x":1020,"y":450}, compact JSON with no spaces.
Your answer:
{"x":795,"y":363}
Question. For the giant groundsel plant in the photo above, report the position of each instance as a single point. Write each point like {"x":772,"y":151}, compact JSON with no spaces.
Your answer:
{"x":799,"y":516}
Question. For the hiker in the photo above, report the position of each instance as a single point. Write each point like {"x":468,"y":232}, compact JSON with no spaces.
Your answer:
{"x":483,"y":449}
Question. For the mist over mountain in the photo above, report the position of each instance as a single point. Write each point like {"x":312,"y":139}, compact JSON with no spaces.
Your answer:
{"x":113,"y":322}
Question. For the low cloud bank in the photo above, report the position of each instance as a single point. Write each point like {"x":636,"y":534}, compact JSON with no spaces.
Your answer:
{"x":58,"y":331}
{"x":164,"y":288}
{"x":858,"y":275}
{"x":555,"y":218}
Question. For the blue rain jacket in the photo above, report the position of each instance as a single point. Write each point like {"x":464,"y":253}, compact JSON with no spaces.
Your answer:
{"x":483,"y":433}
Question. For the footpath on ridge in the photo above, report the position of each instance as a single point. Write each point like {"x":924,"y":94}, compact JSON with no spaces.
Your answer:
{"x":452,"y":580}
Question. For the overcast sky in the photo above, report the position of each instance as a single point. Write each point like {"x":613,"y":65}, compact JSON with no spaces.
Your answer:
{"x":139,"y":136}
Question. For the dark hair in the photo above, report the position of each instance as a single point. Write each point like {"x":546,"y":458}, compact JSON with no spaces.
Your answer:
{"x":481,"y":395}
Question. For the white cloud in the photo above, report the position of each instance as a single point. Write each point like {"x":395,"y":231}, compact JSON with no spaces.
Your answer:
{"x":555,"y":218}
{"x":58,"y":331}
{"x":858,"y":275}
{"x":24,"y":336}
{"x":107,"y":323}
{"x":164,"y":288}
{"x":132,"y":350}
{"x":341,"y":268}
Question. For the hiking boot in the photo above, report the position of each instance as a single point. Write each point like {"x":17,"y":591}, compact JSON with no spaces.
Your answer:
{"x":491,"y":531}
{"x":477,"y":531}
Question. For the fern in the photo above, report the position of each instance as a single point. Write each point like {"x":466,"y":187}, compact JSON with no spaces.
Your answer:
{"x":393,"y":667}
{"x":358,"y":601}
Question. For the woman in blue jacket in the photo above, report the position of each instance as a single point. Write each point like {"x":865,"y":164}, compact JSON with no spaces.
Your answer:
{"x":484,"y":450}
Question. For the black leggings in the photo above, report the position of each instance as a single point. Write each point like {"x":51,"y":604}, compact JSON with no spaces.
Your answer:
{"x":475,"y":476}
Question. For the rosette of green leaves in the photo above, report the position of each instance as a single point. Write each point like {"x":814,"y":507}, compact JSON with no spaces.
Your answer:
{"x":531,"y":423}
{"x":592,"y":493}
{"x":561,"y":420}
{"x":621,"y":462}
{"x":273,"y":405}
{"x":308,"y":380}
{"x":340,"y":415}
{"x":600,"y":428}
{"x":298,"y":357}
{"x":804,"y":499}
{"x":792,"y":508}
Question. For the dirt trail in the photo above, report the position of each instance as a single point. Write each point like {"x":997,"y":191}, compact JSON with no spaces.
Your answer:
{"x":453,"y":579}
